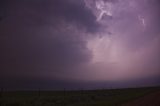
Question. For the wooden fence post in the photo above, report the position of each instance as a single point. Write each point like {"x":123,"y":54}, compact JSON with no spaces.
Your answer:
{"x":1,"y":97}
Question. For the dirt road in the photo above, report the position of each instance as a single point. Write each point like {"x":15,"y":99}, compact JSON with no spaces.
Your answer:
{"x":148,"y":100}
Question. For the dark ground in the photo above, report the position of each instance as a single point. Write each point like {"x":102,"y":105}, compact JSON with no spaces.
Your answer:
{"x":148,"y":100}
{"x":115,"y":97}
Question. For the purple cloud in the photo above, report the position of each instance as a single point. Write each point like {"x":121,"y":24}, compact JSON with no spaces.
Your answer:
{"x":83,"y":40}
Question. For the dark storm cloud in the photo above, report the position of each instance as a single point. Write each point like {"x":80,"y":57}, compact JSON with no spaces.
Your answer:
{"x":45,"y":41}
{"x":41,"y":36}
{"x":2,"y":9}
{"x":76,"y":12}
{"x":71,"y":11}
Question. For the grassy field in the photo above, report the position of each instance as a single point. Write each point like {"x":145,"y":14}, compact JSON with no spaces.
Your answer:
{"x":114,"y":97}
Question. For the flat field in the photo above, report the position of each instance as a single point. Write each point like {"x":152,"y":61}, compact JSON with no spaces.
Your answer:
{"x":110,"y":97}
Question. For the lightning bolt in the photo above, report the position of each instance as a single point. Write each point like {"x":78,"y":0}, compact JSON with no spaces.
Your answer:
{"x":104,"y":8}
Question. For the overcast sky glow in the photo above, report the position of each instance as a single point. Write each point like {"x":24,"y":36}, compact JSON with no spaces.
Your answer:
{"x":79,"y":40}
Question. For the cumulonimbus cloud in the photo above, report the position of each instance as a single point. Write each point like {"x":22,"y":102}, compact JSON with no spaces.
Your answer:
{"x":84,"y":40}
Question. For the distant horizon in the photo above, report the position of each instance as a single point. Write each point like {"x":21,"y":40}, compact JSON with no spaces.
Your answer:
{"x":68,"y":85}
{"x":78,"y":89}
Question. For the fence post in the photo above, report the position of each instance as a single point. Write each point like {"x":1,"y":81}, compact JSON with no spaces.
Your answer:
{"x":1,"y":97}
{"x":39,"y":92}
{"x":1,"y":93}
{"x":64,"y":91}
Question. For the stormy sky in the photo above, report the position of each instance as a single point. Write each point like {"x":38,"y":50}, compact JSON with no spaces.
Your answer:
{"x":79,"y":43}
